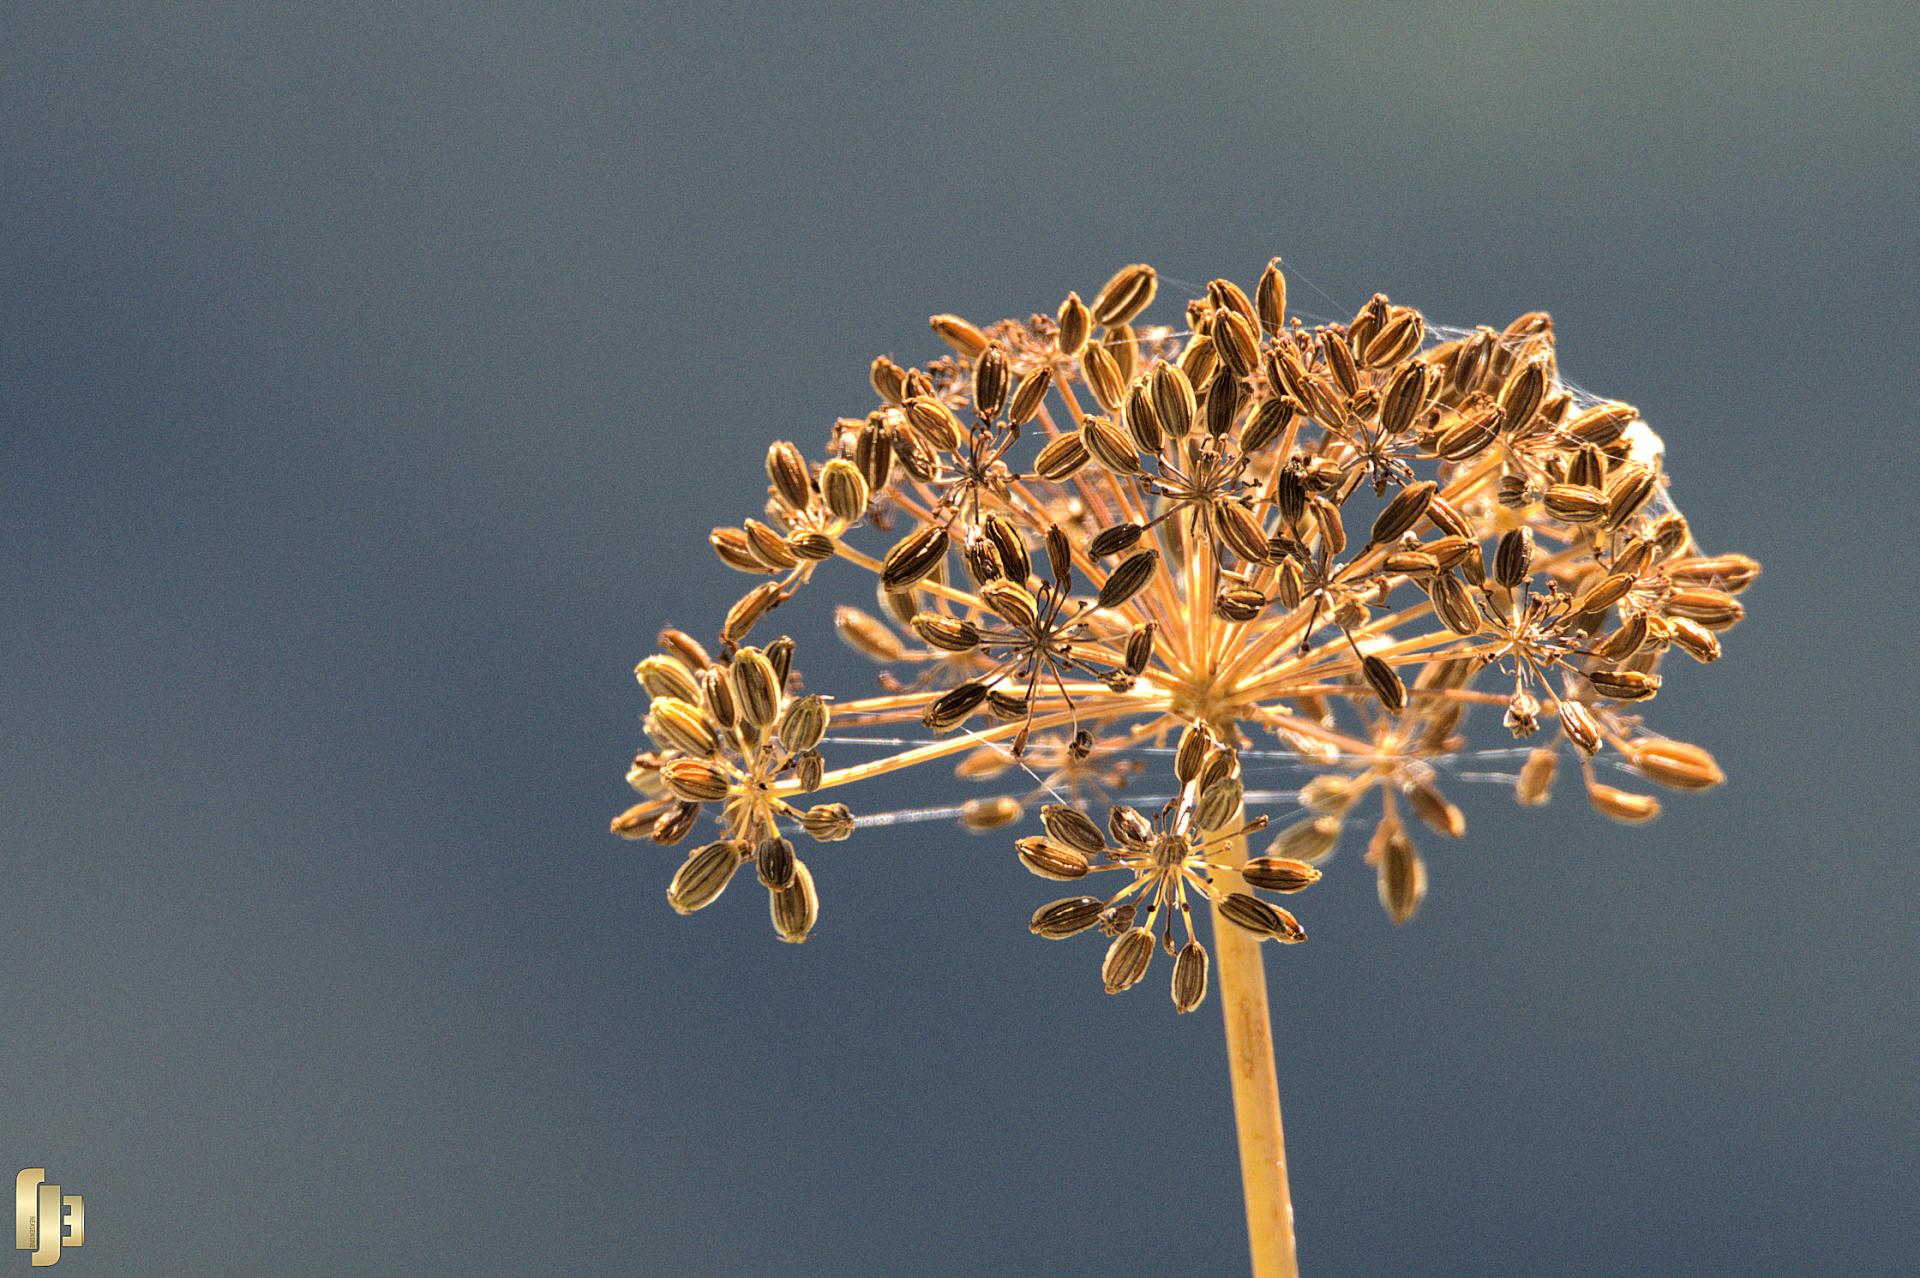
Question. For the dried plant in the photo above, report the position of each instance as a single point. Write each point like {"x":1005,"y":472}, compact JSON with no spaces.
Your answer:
{"x":1096,"y":542}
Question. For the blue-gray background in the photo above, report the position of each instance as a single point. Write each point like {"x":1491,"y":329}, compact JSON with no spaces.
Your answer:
{"x":369,"y":377}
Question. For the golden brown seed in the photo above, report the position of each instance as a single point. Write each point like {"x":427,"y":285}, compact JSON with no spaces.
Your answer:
{"x":1630,"y":638}
{"x":845,"y":489}
{"x":675,"y":824}
{"x":787,"y":470}
{"x":1127,"y":960}
{"x":1173,"y":399}
{"x":1114,"y":540}
{"x":735,"y":551}
{"x":1009,"y":548}
{"x":948,"y":634}
{"x":1238,"y":603}
{"x":677,"y":725}
{"x":1072,"y":828}
{"x":889,"y":380}
{"x":1241,"y":532}
{"x":1405,"y":396}
{"x":1385,"y":682}
{"x":1062,"y":458}
{"x":1602,"y":424}
{"x":1622,"y":805}
{"x":1310,"y":840}
{"x":914,"y":557}
{"x":1535,"y":785}
{"x":747,"y":611}
{"x":1436,"y":810}
{"x":1714,"y":609}
{"x":637,"y":821}
{"x":811,"y":546}
{"x":804,"y":724}
{"x":755,"y":688}
{"x":1575,"y":503}
{"x":666,"y":677}
{"x":1627,"y":493}
{"x":1403,"y":512}
{"x":796,"y":907}
{"x":899,"y":603}
{"x":1401,"y":874}
{"x":959,"y":334}
{"x":1103,"y":376}
{"x":1624,"y":685}
{"x":685,"y":648}
{"x":950,"y":709}
{"x":1050,"y":860}
{"x":1124,"y":296}
{"x":1189,"y":977}
{"x":1585,"y":468}
{"x":1604,"y":593}
{"x":873,"y":453}
{"x":1343,"y":366}
{"x":1255,"y":915}
{"x":1239,"y":346}
{"x":1695,"y":639}
{"x":1128,"y":828}
{"x":1124,"y":347}
{"x":1070,"y":916}
{"x":1675,"y":764}
{"x":1196,"y":743}
{"x":1224,"y":396}
{"x":938,"y":427}
{"x":1396,"y":340}
{"x":774,"y":860}
{"x":1270,"y":299}
{"x":1141,"y":422}
{"x":1075,"y":323}
{"x":1029,"y":395}
{"x":768,"y":546}
{"x":990,"y":381}
{"x":1012,"y":604}
{"x":1110,"y":446}
{"x":1471,"y":434}
{"x":1669,"y":534}
{"x":1521,"y":396}
{"x":1279,"y":874}
{"x":1218,"y":802}
{"x":716,"y":698}
{"x":1129,"y":579}
{"x":1580,"y":727}
{"x":867,"y":634}
{"x":997,"y":812}
{"x":1731,"y":573}
{"x":1333,"y":532}
{"x":827,"y":822}
{"x":1139,"y":650}
{"x":1225,"y":295}
{"x":1268,"y":423}
{"x":1328,"y":794}
{"x":1454,"y":605}
{"x":703,"y":876}
{"x":695,"y":780}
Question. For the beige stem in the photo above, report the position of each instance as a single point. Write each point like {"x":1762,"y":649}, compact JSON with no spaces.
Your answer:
{"x":1256,"y":1091}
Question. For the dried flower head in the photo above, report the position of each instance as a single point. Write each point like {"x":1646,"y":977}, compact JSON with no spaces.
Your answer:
{"x":1093,"y":542}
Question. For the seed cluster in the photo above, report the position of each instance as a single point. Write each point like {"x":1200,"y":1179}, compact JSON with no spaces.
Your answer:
{"x":1088,"y":536}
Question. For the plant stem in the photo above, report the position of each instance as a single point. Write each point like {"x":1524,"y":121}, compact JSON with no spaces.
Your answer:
{"x":1256,"y":1091}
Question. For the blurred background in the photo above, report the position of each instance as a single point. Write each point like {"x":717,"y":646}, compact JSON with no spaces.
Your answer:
{"x":370,"y":375}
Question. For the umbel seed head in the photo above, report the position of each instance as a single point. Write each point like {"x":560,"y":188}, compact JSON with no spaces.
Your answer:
{"x":1119,"y":567}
